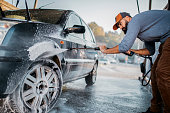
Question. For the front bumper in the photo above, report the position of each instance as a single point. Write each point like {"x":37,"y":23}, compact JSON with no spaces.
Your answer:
{"x":12,"y":67}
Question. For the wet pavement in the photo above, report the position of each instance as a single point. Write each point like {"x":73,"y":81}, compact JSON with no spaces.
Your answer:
{"x":117,"y":90}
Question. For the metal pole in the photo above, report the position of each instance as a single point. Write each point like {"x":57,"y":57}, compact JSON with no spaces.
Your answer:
{"x":35,"y":4}
{"x":168,"y":5}
{"x":150,"y":4}
{"x":138,"y":6}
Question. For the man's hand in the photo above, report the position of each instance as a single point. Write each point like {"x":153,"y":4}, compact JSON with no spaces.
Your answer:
{"x":106,"y":50}
{"x":102,"y":48}
{"x":128,"y":52}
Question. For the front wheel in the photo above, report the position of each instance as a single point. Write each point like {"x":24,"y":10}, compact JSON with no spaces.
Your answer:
{"x":40,"y":88}
{"x":91,"y":78}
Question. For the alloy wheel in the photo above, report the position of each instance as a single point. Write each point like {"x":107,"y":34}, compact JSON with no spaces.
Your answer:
{"x":40,"y":88}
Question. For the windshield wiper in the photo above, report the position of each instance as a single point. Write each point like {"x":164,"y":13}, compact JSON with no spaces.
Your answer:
{"x":28,"y":17}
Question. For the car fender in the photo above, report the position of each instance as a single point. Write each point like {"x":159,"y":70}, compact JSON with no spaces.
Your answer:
{"x":41,"y":50}
{"x":44,"y":49}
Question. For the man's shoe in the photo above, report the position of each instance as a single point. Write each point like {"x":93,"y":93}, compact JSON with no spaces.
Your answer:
{"x":148,"y":111}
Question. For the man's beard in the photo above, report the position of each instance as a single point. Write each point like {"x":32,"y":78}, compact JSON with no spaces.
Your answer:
{"x":124,"y":29}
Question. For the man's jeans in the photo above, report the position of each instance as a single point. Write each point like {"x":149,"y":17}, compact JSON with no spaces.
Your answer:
{"x":160,"y":79}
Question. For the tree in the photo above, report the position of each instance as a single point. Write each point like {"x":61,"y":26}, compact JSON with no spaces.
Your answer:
{"x":97,"y":30}
{"x":109,"y":38}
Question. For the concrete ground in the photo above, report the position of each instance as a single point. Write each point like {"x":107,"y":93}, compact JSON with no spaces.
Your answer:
{"x":117,"y":90}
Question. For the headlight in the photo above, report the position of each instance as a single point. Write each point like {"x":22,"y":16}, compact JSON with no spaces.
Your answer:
{"x":4,"y":27}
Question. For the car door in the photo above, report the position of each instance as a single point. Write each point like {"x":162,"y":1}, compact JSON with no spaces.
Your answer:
{"x":90,"y":54}
{"x":74,"y":57}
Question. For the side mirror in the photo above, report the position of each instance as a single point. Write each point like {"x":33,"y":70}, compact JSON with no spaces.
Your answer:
{"x":75,"y":29}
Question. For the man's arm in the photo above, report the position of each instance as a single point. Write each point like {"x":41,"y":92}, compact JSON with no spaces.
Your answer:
{"x":149,"y":50}
{"x":144,"y":51}
{"x":113,"y":50}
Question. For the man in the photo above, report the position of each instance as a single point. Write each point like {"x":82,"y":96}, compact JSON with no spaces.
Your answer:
{"x":150,"y":27}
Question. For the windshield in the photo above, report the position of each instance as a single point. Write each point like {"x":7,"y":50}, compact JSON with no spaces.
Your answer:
{"x":43,"y":4}
{"x":47,"y":16}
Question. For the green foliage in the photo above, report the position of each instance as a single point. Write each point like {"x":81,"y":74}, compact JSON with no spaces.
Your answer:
{"x":97,"y":30}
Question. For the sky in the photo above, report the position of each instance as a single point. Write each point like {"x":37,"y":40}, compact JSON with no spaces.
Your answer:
{"x":102,"y":12}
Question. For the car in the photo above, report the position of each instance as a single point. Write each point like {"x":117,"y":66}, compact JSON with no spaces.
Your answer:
{"x":38,"y":54}
{"x":104,"y":61}
{"x":111,"y":60}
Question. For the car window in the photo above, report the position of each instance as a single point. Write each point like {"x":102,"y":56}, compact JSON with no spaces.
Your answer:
{"x":93,"y":37}
{"x":88,"y":35}
{"x":74,"y":20}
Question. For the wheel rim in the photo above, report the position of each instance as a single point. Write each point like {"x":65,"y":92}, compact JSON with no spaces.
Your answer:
{"x":40,"y":88}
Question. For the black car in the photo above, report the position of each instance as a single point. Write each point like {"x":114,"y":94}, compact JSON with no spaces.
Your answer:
{"x":37,"y":56}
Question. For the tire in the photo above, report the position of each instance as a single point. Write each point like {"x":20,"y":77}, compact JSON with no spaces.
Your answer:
{"x":91,"y":78}
{"x":39,"y":90}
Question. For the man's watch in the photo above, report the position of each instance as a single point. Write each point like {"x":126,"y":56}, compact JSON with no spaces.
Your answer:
{"x":131,"y":53}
